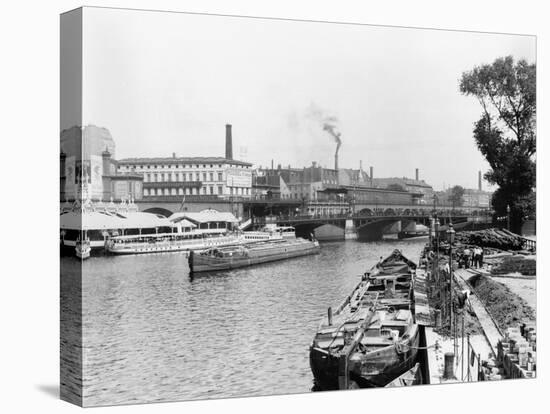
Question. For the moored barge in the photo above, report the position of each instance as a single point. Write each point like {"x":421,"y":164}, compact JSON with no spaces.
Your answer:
{"x":372,"y":337}
{"x":232,"y":257}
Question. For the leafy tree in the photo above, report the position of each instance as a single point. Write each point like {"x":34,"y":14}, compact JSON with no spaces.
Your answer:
{"x":395,"y":187}
{"x":456,"y":196}
{"x":506,"y":132}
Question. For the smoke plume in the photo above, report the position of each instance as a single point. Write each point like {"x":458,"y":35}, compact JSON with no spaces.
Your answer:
{"x":329,"y":123}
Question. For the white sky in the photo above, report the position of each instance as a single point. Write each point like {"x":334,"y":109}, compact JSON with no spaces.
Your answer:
{"x":169,"y":82}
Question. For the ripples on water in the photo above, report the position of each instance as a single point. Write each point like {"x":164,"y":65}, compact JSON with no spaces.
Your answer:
{"x":152,"y":333}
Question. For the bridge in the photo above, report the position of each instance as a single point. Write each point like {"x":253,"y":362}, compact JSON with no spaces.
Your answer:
{"x":370,"y":221}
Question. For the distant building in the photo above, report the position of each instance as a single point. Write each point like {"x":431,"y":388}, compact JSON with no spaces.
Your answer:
{"x":88,"y":169}
{"x":192,"y":176}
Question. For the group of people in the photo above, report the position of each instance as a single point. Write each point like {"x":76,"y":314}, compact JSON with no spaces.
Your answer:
{"x":471,"y":257}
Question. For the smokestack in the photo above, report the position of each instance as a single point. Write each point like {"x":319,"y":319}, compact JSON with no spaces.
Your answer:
{"x":271,"y":164}
{"x":479,"y":180}
{"x":336,"y":160}
{"x":228,"y":142}
{"x":371,"y":174}
{"x":416,"y":174}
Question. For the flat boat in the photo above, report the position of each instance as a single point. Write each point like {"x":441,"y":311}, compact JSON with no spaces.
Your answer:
{"x":372,"y":337}
{"x":232,"y":257}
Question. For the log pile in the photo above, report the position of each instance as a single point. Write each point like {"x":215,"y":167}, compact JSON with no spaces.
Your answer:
{"x":498,"y":239}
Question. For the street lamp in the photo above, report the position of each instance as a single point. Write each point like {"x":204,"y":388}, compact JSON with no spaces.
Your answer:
{"x":451,"y":238}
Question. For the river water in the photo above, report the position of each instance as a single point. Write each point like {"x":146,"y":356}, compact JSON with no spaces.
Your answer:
{"x":152,"y":333}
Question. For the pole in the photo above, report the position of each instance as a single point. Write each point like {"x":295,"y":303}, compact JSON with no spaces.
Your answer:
{"x":451,"y":285}
{"x":462,"y":349}
{"x":468,"y":355}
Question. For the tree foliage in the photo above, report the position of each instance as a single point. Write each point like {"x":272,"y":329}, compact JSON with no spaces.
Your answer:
{"x":506,"y":132}
{"x":456,"y":196}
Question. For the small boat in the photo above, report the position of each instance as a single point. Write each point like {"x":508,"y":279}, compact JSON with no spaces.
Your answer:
{"x":232,"y":257}
{"x":83,"y":249}
{"x":270,"y":232}
{"x":372,"y":337}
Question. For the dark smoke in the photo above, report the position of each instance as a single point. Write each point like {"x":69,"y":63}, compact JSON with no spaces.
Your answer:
{"x":329,"y":123}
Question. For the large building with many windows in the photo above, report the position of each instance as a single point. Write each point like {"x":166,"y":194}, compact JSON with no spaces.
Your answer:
{"x":190,"y":176}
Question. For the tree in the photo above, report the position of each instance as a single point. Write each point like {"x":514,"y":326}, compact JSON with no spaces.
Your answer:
{"x":506,"y":132}
{"x":457,"y":196}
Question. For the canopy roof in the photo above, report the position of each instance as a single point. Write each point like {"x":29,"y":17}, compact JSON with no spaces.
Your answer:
{"x":205,"y":216}
{"x":109,"y":221}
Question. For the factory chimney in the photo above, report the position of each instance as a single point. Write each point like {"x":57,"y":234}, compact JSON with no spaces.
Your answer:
{"x":228,"y":142}
{"x":336,"y":158}
{"x":479,"y":181}
{"x":416,"y":174}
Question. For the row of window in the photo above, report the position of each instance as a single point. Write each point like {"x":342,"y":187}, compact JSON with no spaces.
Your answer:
{"x":207,"y":190}
{"x":179,"y":177}
{"x":135,"y":167}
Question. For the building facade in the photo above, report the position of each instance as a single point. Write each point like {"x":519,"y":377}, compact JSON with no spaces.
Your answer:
{"x":190,"y":176}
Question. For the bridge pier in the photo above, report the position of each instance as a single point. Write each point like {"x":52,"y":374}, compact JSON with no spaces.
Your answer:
{"x":350,"y":232}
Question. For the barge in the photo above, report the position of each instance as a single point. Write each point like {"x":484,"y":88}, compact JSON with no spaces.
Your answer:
{"x":232,"y":257}
{"x":372,"y":338}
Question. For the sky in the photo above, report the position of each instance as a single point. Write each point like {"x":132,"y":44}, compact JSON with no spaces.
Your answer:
{"x":169,"y":82}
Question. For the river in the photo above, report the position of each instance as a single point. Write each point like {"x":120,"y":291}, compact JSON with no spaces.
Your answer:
{"x":153,"y":333}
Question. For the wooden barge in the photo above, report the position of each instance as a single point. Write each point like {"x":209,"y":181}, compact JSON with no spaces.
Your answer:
{"x":232,"y":257}
{"x":372,"y":338}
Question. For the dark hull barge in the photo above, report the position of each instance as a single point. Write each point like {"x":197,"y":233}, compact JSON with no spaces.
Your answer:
{"x":372,"y":337}
{"x":232,"y":257}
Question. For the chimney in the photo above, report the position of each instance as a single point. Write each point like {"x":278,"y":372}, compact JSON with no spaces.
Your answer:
{"x":479,"y":181}
{"x":228,"y":142}
{"x":416,"y":174}
{"x":313,"y":164}
{"x":336,"y":160}
{"x":271,"y":164}
{"x":371,"y":174}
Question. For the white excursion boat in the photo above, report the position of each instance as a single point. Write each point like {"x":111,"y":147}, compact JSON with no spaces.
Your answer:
{"x":270,"y":232}
{"x":169,"y":242}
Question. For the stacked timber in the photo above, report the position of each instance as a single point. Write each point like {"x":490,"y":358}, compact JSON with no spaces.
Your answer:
{"x":495,"y":238}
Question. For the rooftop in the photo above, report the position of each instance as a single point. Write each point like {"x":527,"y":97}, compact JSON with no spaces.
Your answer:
{"x":183,"y":160}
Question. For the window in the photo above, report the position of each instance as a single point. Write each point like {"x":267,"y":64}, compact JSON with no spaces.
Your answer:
{"x":173,"y":191}
{"x":145,"y":192}
{"x":204,"y":190}
{"x":220,"y":176}
{"x":211,"y":189}
{"x":220,"y":190}
{"x":211,"y":176}
{"x":183,"y":175}
{"x":231,"y":190}
{"x":204,"y":176}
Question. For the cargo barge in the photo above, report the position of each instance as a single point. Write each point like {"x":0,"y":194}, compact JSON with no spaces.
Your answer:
{"x":232,"y":257}
{"x":372,"y":338}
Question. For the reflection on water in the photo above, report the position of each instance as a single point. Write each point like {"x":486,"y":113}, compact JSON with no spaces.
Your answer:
{"x":152,"y":333}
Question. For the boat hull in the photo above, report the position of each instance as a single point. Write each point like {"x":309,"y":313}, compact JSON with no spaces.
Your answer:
{"x":325,"y":368}
{"x":198,"y":263}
